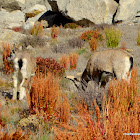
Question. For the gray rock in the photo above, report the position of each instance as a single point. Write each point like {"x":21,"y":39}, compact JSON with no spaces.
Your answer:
{"x":29,"y":47}
{"x":12,"y":4}
{"x":9,"y":36}
{"x":91,"y":11}
{"x":30,"y":3}
{"x":8,"y":19}
{"x":127,"y":10}
{"x":30,"y":22}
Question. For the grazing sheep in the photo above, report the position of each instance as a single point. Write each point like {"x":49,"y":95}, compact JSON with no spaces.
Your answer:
{"x":103,"y":66}
{"x":24,"y":67}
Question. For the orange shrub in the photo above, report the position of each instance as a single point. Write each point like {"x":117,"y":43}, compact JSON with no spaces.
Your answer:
{"x":86,"y":36}
{"x":6,"y":53}
{"x":93,"y":44}
{"x":55,"y":31}
{"x":121,"y":113}
{"x":73,"y":60}
{"x":86,"y":129}
{"x":45,"y":99}
{"x":123,"y":45}
{"x":17,"y":29}
{"x":65,"y":61}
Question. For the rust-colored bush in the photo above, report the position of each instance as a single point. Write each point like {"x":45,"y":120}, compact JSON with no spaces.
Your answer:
{"x":86,"y":36}
{"x":74,"y":60}
{"x":65,"y":61}
{"x":17,"y":29}
{"x":123,"y":45}
{"x":46,"y":100}
{"x":93,"y":44}
{"x":86,"y":129}
{"x":6,"y":53}
{"x":55,"y":31}
{"x":45,"y":65}
{"x":121,"y":113}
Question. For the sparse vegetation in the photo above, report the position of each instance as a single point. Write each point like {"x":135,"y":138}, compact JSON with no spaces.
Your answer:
{"x":112,"y":37}
{"x":75,"y":43}
{"x":55,"y":31}
{"x":71,"y":25}
{"x":33,"y":13}
{"x":138,"y":39}
{"x":73,"y":60}
{"x":34,"y":41}
{"x":65,"y":61}
{"x":123,"y":45}
{"x":37,"y":29}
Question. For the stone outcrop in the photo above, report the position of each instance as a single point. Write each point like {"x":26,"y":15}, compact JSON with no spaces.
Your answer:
{"x":17,"y":12}
{"x":9,"y":36}
{"x":11,"y":19}
{"x":127,"y":10}
{"x":84,"y":11}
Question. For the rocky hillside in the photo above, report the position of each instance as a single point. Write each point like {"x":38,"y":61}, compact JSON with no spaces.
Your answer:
{"x":26,"y":12}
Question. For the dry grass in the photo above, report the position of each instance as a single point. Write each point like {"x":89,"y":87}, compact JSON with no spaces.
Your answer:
{"x":37,"y":29}
{"x":34,"y":41}
{"x":55,"y":31}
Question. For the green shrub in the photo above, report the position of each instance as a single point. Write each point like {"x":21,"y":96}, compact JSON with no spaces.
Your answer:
{"x":33,"y":13}
{"x":138,"y":39}
{"x":112,"y":37}
{"x":71,"y":25}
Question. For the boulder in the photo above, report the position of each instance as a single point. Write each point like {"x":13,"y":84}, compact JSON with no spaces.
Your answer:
{"x":9,"y":36}
{"x":31,"y":3}
{"x":91,"y":11}
{"x":11,"y":5}
{"x":35,"y":10}
{"x":38,"y":7}
{"x":127,"y":10}
{"x":30,"y":22}
{"x":8,"y":19}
